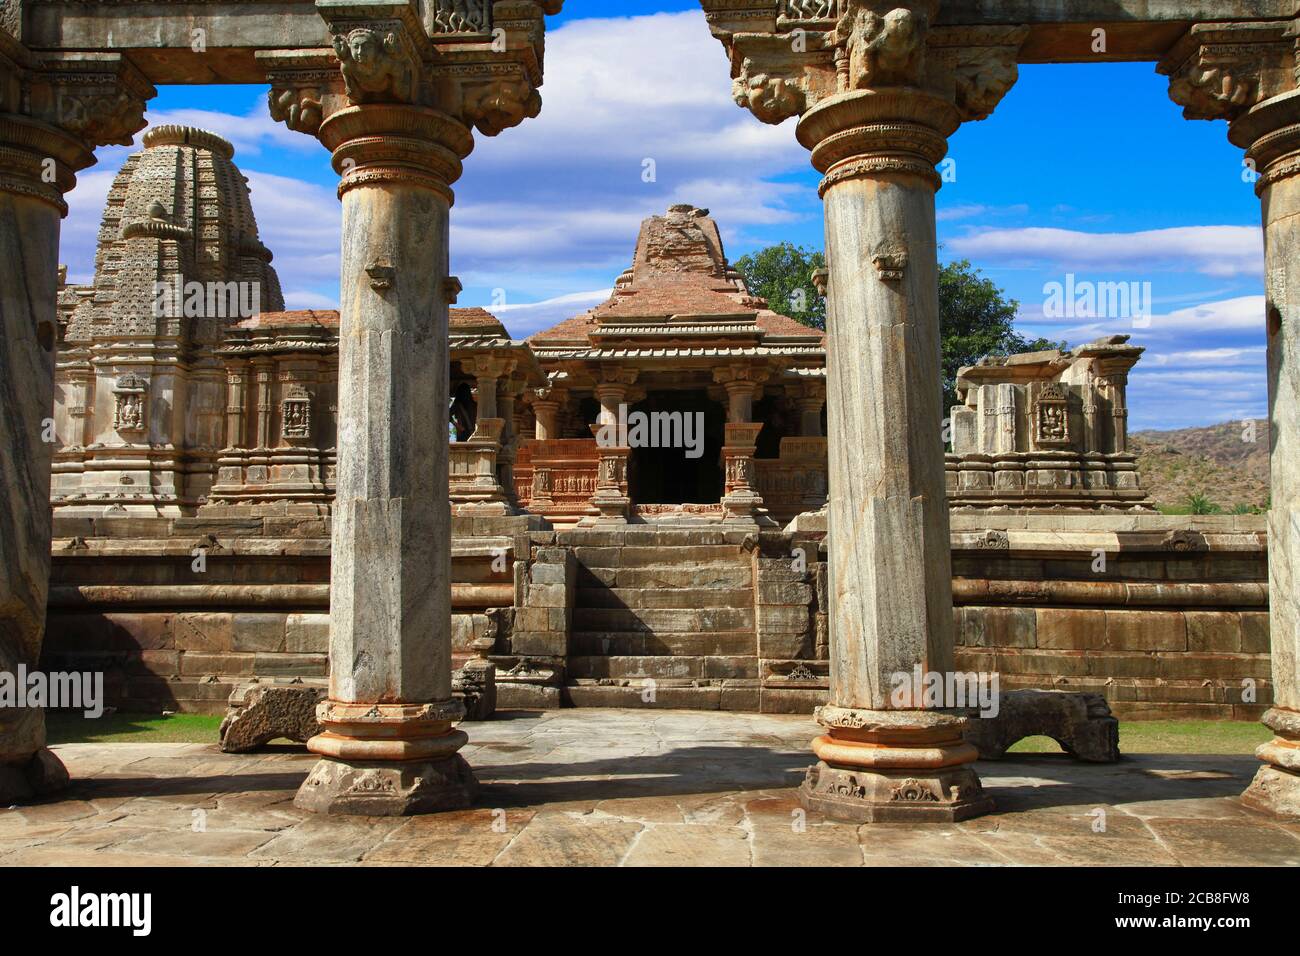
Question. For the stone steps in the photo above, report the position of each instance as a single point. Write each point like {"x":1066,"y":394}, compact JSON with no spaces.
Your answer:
{"x":662,"y":668}
{"x":710,"y":576}
{"x":664,"y":597}
{"x":671,"y":619}
{"x":742,"y":643}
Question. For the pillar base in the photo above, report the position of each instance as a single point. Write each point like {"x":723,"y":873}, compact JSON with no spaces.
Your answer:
{"x":388,"y":788}
{"x":1276,"y":787}
{"x":890,"y":766}
{"x":859,"y":795}
{"x":387,"y":760}
{"x":43,"y":774}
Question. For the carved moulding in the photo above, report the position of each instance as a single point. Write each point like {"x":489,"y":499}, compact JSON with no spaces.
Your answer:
{"x":55,"y":108}
{"x":473,"y":62}
{"x":1220,"y":71}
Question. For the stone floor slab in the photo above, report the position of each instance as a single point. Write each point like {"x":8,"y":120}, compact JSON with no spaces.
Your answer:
{"x":610,"y":787}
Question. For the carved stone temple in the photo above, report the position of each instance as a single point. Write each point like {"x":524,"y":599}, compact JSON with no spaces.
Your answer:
{"x":1046,"y":430}
{"x":399,"y":505}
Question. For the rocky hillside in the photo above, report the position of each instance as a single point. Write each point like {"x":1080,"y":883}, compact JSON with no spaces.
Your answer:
{"x":1221,"y":462}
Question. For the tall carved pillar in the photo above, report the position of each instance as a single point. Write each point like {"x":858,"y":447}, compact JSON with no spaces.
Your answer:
{"x":511,"y":389}
{"x":398,"y":132}
{"x":1246,"y":74}
{"x":811,"y":399}
{"x":741,"y":500}
{"x":878,"y":92}
{"x":53,"y":112}
{"x":611,"y":495}
{"x":547,"y":402}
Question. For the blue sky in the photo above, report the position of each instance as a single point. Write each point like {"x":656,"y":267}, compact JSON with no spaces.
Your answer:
{"x":1087,"y":170}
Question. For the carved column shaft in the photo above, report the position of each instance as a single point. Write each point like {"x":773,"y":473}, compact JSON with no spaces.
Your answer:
{"x":1247,"y":74}
{"x":1273,"y":133}
{"x":389,"y":743}
{"x":53,"y":111}
{"x":879,"y":90}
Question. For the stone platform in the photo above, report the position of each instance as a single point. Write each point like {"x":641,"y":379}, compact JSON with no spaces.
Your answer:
{"x":622,"y":787}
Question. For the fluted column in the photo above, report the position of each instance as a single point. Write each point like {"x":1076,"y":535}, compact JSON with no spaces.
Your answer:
{"x":53,"y":112}
{"x":1245,"y":73}
{"x":879,"y":89}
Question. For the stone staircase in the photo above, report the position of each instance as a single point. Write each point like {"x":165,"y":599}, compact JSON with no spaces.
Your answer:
{"x":663,"y":617}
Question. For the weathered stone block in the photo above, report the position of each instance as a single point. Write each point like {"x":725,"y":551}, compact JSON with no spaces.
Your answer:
{"x":1217,"y":632}
{"x":1069,"y":629}
{"x":307,"y":633}
{"x":258,"y":632}
{"x":1146,"y":631}
{"x":1081,"y":723}
{"x":260,"y":713}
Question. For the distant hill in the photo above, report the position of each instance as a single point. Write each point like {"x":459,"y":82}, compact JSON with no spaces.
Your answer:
{"x":1217,"y":461}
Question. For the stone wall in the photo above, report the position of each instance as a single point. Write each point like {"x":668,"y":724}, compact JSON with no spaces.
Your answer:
{"x":1173,"y":624}
{"x":127,"y":599}
{"x":688,"y":616}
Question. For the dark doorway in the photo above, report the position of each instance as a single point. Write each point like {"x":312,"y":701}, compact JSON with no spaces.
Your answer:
{"x":665,"y":476}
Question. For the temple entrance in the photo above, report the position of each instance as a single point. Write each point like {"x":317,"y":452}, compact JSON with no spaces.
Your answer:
{"x":665,"y":475}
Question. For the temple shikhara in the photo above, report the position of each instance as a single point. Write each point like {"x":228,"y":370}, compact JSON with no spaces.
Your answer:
{"x":373,"y":529}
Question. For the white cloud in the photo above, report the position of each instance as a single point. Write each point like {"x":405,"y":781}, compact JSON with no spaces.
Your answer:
{"x":523,"y":319}
{"x":1223,"y":251}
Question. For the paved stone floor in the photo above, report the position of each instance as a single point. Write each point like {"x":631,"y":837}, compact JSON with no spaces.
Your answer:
{"x":605,"y":787}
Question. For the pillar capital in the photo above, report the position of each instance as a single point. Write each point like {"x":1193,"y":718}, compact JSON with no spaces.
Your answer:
{"x":869,"y":78}
{"x":55,"y":108}
{"x":477,"y":63}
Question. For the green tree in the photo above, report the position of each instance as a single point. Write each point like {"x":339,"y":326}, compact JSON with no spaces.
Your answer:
{"x":975,"y":320}
{"x":975,"y":317}
{"x":782,"y":275}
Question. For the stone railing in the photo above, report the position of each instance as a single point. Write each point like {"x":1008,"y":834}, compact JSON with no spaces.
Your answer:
{"x":564,"y":475}
{"x":472,"y":471}
{"x":796,"y":481}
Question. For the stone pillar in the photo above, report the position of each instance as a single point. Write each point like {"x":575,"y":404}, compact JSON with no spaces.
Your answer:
{"x":741,"y":500}
{"x":487,"y":376}
{"x":397,"y":119}
{"x":545,"y":410}
{"x":53,"y":112}
{"x":510,"y":390}
{"x":611,"y":497}
{"x":741,"y":383}
{"x":877,"y":101}
{"x":1245,"y":73}
{"x":812,"y":396}
{"x":389,"y":744}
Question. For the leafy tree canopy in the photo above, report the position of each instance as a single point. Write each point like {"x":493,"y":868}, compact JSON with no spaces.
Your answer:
{"x":975,"y":317}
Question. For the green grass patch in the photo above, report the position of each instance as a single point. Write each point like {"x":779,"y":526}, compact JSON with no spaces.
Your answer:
{"x":1135,"y":737}
{"x":1172,"y":737}
{"x":72,"y":728}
